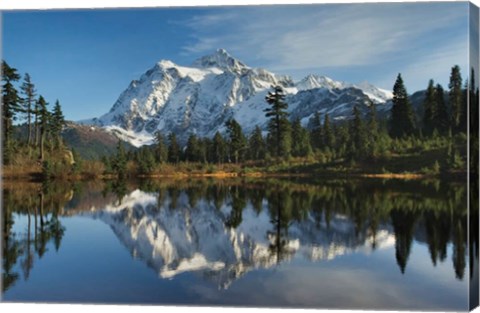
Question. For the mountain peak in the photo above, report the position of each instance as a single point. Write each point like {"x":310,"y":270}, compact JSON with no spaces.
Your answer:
{"x":222,"y":51}
{"x":166,"y":64}
{"x":376,"y":94}
{"x":220,"y":59}
{"x":199,"y":99}
{"x":314,"y":81}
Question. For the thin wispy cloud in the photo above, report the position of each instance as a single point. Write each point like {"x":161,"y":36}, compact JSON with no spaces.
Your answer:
{"x":292,"y":38}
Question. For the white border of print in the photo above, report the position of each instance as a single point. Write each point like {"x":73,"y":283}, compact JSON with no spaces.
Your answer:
{"x":72,"y":4}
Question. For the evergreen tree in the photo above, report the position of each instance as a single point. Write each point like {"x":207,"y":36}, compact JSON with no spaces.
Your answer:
{"x":145,"y":160}
{"x":372,"y":121}
{"x":430,"y":109}
{"x":328,"y":136}
{"x":10,"y":107}
{"x":36,"y":124}
{"x":219,"y":149}
{"x":455,"y":98}
{"x":161,"y":149}
{"x":29,"y":92}
{"x":342,"y":134}
{"x":372,"y":131}
{"x":300,"y":140}
{"x":192,"y":151}
{"x":119,"y":162}
{"x":236,"y":139}
{"x":278,"y":125}
{"x":316,"y":131}
{"x":57,"y":124}
{"x":44,"y":120}
{"x":256,"y":145}
{"x":174,"y":152}
{"x":464,"y":115}
{"x":442,"y":119}
{"x":402,"y":120}
{"x":358,"y":136}
{"x":204,"y":145}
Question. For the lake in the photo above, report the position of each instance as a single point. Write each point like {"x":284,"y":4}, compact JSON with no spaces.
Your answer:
{"x":337,"y":243}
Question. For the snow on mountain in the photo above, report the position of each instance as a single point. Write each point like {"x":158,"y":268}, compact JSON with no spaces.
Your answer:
{"x":315,"y":81}
{"x":377,"y":95}
{"x":196,"y":239}
{"x":200,"y":98}
{"x":222,"y":60}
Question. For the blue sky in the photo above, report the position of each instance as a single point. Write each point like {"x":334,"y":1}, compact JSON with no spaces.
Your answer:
{"x":86,"y":58}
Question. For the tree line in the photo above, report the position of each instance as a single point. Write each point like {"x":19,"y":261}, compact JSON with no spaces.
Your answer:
{"x":43,"y":127}
{"x":363,"y":137}
{"x":441,"y":113}
{"x":360,"y":138}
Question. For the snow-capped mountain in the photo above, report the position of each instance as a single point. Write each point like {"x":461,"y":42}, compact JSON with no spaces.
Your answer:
{"x":315,"y":81}
{"x":196,"y":239}
{"x":201,"y":97}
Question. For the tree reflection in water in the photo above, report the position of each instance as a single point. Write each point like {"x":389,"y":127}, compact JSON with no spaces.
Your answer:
{"x":431,"y":212}
{"x":42,"y":204}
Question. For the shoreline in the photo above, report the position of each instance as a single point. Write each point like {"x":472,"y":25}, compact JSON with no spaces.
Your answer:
{"x":36,"y":176}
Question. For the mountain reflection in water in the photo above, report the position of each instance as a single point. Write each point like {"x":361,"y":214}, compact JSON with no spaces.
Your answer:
{"x":222,"y":230}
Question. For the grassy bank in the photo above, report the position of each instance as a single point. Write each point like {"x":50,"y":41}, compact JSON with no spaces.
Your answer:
{"x":417,"y":162}
{"x":409,"y":166}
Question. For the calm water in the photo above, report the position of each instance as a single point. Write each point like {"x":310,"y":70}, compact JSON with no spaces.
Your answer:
{"x":336,"y":244}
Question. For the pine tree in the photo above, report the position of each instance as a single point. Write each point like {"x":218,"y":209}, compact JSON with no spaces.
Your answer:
{"x":316,"y":131}
{"x":44,"y":119}
{"x":300,"y":140}
{"x":57,"y":124}
{"x":36,"y":124}
{"x":192,"y":151}
{"x":464,"y":116}
{"x":11,"y":106}
{"x":358,"y":136}
{"x":430,"y":109}
{"x":204,"y":145}
{"x":342,"y":135}
{"x":119,"y":162}
{"x":161,"y":149}
{"x":328,"y":136}
{"x":455,"y":98}
{"x":278,"y":125}
{"x":236,"y":139}
{"x":145,"y":160}
{"x":174,"y":152}
{"x":442,"y":119}
{"x":402,"y":120}
{"x":219,"y":149}
{"x":372,"y":131}
{"x":256,"y":145}
{"x":372,"y":121}
{"x":29,"y":92}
